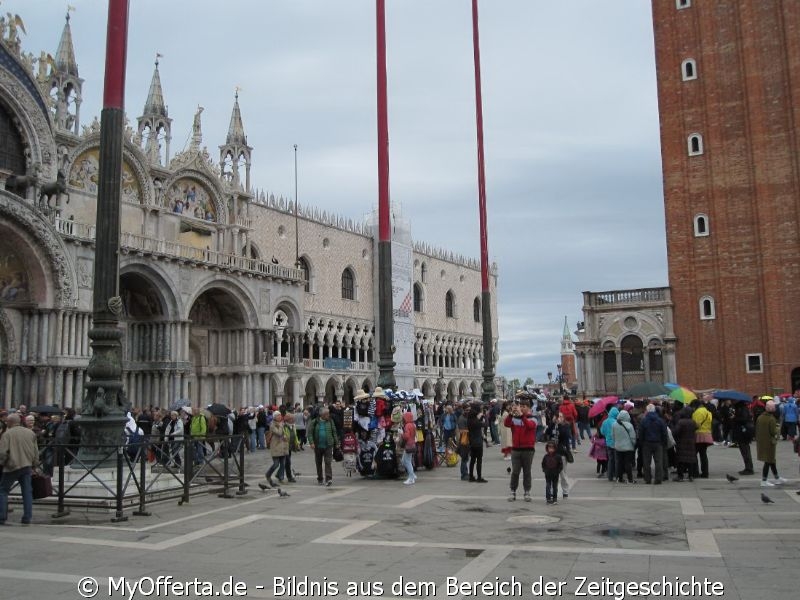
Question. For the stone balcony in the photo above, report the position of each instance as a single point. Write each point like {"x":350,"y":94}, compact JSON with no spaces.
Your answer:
{"x":159,"y":248}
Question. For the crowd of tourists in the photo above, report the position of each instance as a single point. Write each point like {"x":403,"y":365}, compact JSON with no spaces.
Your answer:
{"x":653,"y":441}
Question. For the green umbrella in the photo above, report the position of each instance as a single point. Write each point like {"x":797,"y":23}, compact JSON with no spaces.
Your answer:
{"x":647,"y":389}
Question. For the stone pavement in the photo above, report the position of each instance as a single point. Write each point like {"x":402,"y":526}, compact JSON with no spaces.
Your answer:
{"x":381,"y":532}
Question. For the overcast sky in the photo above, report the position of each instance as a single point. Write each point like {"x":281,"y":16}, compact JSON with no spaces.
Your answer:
{"x":573,"y":167}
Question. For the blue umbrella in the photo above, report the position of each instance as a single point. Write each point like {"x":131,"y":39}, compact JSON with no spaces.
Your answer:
{"x":732,"y":395}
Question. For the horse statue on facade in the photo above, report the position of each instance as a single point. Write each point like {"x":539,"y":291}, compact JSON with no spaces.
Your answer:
{"x":19,"y":184}
{"x":53,"y":188}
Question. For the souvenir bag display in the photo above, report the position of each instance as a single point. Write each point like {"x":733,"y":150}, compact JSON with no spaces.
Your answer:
{"x":366,"y":458}
{"x":349,"y":444}
{"x":387,"y":458}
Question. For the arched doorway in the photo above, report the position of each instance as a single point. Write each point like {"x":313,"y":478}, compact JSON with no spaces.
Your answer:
{"x":219,"y":333}
{"x":330,"y":390}
{"x":795,"y":379}
{"x":632,"y":351}
{"x":149,"y":344}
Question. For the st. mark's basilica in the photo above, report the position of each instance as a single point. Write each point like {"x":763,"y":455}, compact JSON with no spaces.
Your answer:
{"x":230,"y":294}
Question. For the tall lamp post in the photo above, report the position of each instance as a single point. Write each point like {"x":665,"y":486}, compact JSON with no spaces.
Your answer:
{"x":104,"y":406}
{"x":560,"y":380}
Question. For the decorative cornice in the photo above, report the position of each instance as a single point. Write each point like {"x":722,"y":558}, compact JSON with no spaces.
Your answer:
{"x":309,"y":213}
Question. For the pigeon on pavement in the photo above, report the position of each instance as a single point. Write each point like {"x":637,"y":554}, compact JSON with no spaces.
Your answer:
{"x":283,"y":494}
{"x":731,"y":478}
{"x":766,"y":499}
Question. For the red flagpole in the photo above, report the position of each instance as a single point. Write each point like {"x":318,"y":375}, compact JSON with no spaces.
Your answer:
{"x":488,"y":388}
{"x":386,"y":364}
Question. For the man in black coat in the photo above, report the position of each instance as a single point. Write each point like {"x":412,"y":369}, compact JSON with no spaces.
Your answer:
{"x":653,"y":433}
{"x":742,"y":435}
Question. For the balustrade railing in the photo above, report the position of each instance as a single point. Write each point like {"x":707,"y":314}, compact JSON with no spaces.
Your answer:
{"x":142,"y":243}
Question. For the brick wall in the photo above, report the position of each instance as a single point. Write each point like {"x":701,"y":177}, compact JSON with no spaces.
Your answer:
{"x":745,"y":102}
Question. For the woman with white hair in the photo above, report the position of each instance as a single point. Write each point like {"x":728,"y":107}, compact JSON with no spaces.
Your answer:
{"x":767,"y":432}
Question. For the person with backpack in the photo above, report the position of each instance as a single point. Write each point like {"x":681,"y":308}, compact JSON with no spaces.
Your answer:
{"x":133,"y":437}
{"x":198,"y":429}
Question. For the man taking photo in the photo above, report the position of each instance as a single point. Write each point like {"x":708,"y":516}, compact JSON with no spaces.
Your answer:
{"x":523,"y":442}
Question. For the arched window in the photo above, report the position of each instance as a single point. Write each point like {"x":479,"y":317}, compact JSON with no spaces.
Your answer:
{"x":348,"y":284}
{"x":683,"y":4}
{"x":689,"y":69}
{"x":695,"y":144}
{"x":12,"y":150}
{"x":302,"y":264}
{"x":417,"y":298}
{"x":423,"y":273}
{"x":476,"y":310}
{"x":701,"y":225}
{"x":632,"y":353}
{"x":707,"y":309}
{"x":450,"y":304}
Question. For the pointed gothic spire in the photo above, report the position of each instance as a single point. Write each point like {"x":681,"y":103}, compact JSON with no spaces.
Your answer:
{"x":567,"y":335}
{"x":155,"y":97}
{"x":236,"y":134}
{"x":65,"y":56}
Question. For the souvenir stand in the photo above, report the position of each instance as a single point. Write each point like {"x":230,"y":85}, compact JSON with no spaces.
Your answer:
{"x":374,"y":429}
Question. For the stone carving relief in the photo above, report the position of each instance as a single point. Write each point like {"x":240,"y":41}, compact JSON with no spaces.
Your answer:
{"x":264,"y":302}
{"x":85,"y":267}
{"x":8,"y":332}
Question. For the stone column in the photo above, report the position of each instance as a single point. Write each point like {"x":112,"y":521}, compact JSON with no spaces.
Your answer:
{"x":185,"y":387}
{"x":8,"y":385}
{"x":618,"y":353}
{"x":52,"y":383}
{"x":295,"y":390}
{"x":24,"y":343}
{"x":187,"y":330}
{"x":242,"y":399}
{"x":44,"y":336}
{"x":69,"y":388}
{"x":166,"y":390}
{"x":34,"y":353}
{"x":265,"y":393}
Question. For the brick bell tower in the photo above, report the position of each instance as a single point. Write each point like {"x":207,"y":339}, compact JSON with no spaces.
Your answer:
{"x":729,"y":104}
{"x":569,"y":373}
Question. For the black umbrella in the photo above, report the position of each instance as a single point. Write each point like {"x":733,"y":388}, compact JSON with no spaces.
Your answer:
{"x":219,"y":410}
{"x":647,"y":389}
{"x":46,"y":410}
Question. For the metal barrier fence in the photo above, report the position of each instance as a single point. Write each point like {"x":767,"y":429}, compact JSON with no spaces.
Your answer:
{"x":138,"y":473}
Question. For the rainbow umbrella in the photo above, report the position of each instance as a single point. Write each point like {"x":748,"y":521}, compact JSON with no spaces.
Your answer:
{"x":683,"y":395}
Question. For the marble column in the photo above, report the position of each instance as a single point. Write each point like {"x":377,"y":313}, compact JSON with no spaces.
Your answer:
{"x":265,"y":390}
{"x":24,"y":343}
{"x":8,"y":386}
{"x":34,"y":338}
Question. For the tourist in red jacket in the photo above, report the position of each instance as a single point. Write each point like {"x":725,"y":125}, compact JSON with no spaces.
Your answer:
{"x":523,"y":442}
{"x":570,"y":413}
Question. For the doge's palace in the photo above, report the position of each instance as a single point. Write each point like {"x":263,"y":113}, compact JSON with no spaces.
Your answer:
{"x":216,"y":305}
